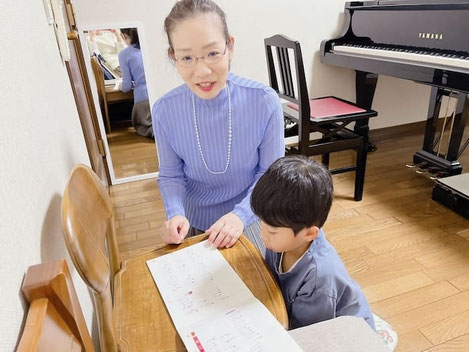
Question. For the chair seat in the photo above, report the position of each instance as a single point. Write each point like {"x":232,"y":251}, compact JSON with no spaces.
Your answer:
{"x":329,"y":106}
{"x":327,"y":109}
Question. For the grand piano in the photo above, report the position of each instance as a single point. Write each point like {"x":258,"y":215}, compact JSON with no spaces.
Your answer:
{"x":424,"y":41}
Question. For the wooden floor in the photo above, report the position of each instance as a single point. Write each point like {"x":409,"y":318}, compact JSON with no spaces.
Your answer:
{"x":131,"y":154}
{"x":409,"y":253}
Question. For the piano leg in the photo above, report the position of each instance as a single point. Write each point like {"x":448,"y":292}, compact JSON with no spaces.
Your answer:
{"x":365,"y":86}
{"x":447,"y":163}
{"x":460,"y":119}
{"x":434,"y":106}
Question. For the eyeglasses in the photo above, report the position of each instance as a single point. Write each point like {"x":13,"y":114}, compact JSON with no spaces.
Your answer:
{"x":211,"y":58}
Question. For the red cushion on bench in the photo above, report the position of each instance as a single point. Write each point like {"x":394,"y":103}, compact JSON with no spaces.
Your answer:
{"x":327,"y":107}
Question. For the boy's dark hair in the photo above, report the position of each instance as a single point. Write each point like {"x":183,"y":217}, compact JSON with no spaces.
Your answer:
{"x":295,"y":192}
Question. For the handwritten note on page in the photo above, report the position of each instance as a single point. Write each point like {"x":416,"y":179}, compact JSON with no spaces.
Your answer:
{"x":211,"y":307}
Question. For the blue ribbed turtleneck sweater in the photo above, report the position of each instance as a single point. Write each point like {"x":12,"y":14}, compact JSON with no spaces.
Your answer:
{"x":186,"y":186}
{"x":131,"y":63}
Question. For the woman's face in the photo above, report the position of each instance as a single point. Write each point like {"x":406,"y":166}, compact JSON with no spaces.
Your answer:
{"x":200,"y":36}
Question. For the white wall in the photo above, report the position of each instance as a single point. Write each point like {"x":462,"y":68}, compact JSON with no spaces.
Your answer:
{"x":250,"y":21}
{"x":40,"y":141}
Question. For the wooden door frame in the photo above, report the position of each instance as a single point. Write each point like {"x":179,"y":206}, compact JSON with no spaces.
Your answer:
{"x":93,"y":137}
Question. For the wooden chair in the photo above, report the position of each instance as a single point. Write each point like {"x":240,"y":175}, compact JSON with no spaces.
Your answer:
{"x":99,"y":77}
{"x":139,"y":320}
{"x":55,"y":321}
{"x":90,"y":236}
{"x":327,"y":115}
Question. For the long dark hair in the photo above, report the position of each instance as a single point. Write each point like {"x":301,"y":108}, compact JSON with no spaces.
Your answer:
{"x":133,"y":35}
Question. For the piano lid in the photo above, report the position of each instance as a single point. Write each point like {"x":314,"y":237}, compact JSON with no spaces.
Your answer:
{"x":438,"y":25}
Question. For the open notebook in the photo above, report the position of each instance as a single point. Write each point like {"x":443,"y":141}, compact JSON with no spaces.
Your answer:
{"x":211,"y":307}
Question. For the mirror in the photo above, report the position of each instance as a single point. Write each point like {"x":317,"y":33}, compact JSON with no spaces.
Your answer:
{"x":115,"y":62}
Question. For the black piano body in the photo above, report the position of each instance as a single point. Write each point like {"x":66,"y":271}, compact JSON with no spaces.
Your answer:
{"x":423,"y":41}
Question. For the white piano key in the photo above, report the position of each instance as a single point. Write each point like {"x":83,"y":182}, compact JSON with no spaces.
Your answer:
{"x":402,"y":56}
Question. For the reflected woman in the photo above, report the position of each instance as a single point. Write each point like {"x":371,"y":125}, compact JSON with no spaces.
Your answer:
{"x":133,"y":77}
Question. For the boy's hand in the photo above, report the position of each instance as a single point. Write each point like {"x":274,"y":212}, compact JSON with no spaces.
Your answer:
{"x":175,"y":229}
{"x":226,"y":231}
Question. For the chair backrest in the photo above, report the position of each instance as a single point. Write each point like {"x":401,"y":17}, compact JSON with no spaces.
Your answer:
{"x":90,"y":236}
{"x":99,"y":77}
{"x":296,"y":92}
{"x":55,"y":321}
{"x":290,"y":89}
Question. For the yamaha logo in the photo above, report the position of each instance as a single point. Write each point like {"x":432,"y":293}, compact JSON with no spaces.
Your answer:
{"x":437,"y":36}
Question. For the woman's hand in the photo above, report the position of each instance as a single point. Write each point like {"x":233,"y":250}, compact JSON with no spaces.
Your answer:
{"x":226,"y":231}
{"x":117,"y":34}
{"x":175,"y":229}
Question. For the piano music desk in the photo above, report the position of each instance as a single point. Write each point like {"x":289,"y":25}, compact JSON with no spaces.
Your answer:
{"x":141,"y":319}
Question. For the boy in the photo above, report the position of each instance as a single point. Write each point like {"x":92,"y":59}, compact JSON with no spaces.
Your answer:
{"x":293,"y":199}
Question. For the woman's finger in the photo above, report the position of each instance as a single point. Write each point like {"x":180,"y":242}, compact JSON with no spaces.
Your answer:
{"x":226,"y":241}
{"x":169,"y":235}
{"x":232,"y":242}
{"x":184,"y":230}
{"x":214,"y":230}
{"x":219,"y":239}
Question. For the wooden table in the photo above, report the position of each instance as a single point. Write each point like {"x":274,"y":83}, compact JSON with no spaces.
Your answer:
{"x":114,"y":95}
{"x":110,"y":94}
{"x":141,"y":319}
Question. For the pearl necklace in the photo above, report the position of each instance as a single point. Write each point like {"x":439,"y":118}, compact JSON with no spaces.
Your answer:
{"x":229,"y":135}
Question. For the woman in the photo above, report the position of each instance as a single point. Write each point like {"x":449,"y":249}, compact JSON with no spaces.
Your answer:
{"x":133,"y":77}
{"x":216,"y":134}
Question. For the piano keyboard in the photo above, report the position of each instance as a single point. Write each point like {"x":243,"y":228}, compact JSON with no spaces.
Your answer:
{"x":405,"y":55}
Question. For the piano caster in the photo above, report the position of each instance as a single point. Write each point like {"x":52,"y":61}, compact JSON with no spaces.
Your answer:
{"x":372,"y":147}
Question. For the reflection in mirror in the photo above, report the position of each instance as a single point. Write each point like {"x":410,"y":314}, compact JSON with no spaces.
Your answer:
{"x":119,"y":76}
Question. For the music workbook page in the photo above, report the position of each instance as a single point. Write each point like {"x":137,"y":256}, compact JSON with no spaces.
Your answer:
{"x":211,"y":307}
